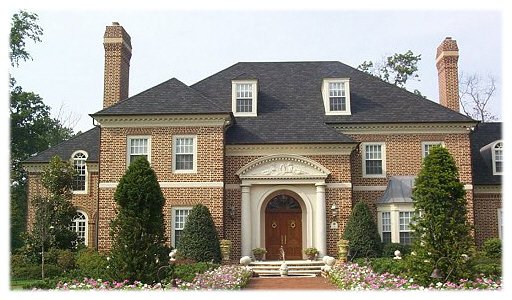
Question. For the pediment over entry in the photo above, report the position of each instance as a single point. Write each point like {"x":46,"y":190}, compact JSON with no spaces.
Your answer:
{"x":283,"y":166}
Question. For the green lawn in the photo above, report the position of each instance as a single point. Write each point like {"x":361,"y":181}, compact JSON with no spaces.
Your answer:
{"x":19,"y":284}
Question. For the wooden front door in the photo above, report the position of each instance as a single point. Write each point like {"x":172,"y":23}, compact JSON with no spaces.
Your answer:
{"x":283,"y":227}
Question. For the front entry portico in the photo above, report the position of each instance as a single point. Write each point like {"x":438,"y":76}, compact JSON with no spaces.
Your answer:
{"x":288,"y":176}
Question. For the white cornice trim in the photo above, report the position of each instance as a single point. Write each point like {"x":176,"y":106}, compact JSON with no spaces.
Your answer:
{"x":163,"y":120}
{"x":400,"y":128}
{"x":369,"y":188}
{"x":191,"y":184}
{"x":487,"y":189}
{"x":294,"y":149}
{"x":339,"y":185}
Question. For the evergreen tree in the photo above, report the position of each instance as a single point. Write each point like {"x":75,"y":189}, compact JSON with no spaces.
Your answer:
{"x":362,"y":233}
{"x":138,"y":248}
{"x":199,"y":240}
{"x":441,"y":234}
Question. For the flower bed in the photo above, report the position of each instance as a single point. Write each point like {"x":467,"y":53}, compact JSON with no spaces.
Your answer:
{"x":222,"y":278}
{"x":351,"y":276}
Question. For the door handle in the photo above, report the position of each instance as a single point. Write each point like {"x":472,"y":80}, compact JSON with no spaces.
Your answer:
{"x":281,"y":239}
{"x":285,"y":239}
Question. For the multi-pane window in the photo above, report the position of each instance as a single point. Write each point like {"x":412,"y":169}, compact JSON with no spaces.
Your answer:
{"x":180,"y":216}
{"x":184,"y":151}
{"x":386,"y":226}
{"x":405,"y":218}
{"x":373,"y":159}
{"x":244,"y":97}
{"x":337,"y":98}
{"x":498,"y":158}
{"x":138,"y":147}
{"x":79,"y":225}
{"x":427,"y":146}
{"x":80,"y":178}
{"x":500,"y":223}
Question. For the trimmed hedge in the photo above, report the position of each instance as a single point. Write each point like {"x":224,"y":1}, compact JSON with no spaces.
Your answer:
{"x":34,"y":271}
{"x":384,"y":264}
{"x":389,"y":249}
{"x":492,"y":248}
{"x":92,"y":264}
{"x":188,"y":272}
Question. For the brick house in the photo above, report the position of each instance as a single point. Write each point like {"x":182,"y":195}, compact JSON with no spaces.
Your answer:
{"x":278,"y":151}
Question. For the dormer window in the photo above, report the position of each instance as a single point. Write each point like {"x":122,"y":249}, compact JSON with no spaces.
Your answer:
{"x":336,"y":96}
{"x":497,"y":159}
{"x":244,"y":98}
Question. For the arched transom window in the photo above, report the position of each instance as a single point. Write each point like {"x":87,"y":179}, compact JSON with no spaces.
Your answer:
{"x":79,"y":225}
{"x":79,"y":164}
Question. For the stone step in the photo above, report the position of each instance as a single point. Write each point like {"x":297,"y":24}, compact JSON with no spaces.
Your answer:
{"x":295,"y":267}
{"x":289,"y":267}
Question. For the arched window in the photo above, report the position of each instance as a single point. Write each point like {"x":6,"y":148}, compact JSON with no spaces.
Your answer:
{"x":497,"y":159}
{"x":80,"y":166}
{"x":79,"y":225}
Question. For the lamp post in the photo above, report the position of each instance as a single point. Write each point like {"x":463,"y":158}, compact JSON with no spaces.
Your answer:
{"x":437,"y":273}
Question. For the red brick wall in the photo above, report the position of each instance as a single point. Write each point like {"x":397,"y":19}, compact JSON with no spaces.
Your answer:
{"x":117,"y":65}
{"x":486,"y":216}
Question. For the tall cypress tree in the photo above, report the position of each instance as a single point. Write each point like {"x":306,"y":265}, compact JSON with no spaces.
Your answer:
{"x":199,"y":240}
{"x":138,"y":230}
{"x":441,"y":231}
{"x":362,"y":233}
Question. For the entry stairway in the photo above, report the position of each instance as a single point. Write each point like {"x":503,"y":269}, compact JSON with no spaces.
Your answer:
{"x":310,"y":268}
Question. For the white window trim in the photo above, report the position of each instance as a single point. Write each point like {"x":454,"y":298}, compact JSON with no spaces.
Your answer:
{"x":254,"y":111}
{"x":173,"y":224}
{"x":363,"y":156}
{"x":133,"y":137}
{"x":394,"y":210}
{"x":493,"y":151}
{"x":173,"y":163}
{"x":86,"y":190}
{"x":430,"y":143}
{"x":325,"y":96}
{"x":500,"y":223}
{"x":86,"y":241}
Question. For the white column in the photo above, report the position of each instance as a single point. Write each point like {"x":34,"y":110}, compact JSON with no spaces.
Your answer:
{"x":246,"y":220}
{"x":320,"y":220}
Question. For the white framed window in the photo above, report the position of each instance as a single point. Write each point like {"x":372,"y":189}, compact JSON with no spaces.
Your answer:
{"x":386,"y":226}
{"x":138,"y":146}
{"x":179,"y":218}
{"x":184,"y":154}
{"x":404,"y":227}
{"x":374,"y":159}
{"x":79,"y":159}
{"x":79,"y":225}
{"x":500,"y":223}
{"x":244,"y":98}
{"x":336,"y":96}
{"x":427,"y":146}
{"x":497,"y":158}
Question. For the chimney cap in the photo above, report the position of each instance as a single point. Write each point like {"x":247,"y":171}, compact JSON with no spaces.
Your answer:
{"x":448,"y":38}
{"x":115,"y":23}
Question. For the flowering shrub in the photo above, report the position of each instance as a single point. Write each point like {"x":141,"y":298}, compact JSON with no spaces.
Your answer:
{"x":351,"y":276}
{"x":222,"y":278}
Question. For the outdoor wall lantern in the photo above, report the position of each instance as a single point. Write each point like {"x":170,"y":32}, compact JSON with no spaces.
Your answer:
{"x":231,"y":212}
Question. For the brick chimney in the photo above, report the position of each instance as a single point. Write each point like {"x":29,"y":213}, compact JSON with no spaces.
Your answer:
{"x":448,"y":74}
{"x":118,"y":51}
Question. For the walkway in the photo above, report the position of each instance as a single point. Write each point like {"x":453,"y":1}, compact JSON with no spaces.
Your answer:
{"x":289,"y":283}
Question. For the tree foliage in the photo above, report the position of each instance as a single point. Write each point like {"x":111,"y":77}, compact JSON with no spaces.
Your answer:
{"x":199,"y":240}
{"x":475,"y":94}
{"x":54,"y":210}
{"x":441,"y":236}
{"x":32,"y":128}
{"x":362,"y":233}
{"x":396,"y":69}
{"x":137,"y":232}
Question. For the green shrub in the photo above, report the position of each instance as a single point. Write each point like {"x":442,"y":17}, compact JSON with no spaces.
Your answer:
{"x":92,"y":264}
{"x":482,"y":264}
{"x":492,"y":248}
{"x":46,"y":284}
{"x":384,"y":264}
{"x":187,"y":272}
{"x":34,"y":271}
{"x":66,"y":260}
{"x":389,"y":249}
{"x":362,"y":233}
{"x":199,"y":240}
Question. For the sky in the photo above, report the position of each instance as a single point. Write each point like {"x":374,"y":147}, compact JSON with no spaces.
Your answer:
{"x":67,"y":66}
{"x":193,"y":39}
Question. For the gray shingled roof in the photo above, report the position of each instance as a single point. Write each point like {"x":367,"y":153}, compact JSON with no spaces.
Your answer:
{"x":88,"y":141}
{"x":484,"y":135}
{"x":169,"y":97}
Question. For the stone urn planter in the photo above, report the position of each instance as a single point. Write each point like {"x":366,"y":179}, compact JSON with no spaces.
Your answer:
{"x":342,"y":250}
{"x":311,"y":253}
{"x":225,"y":249}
